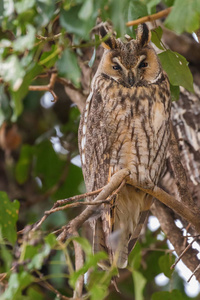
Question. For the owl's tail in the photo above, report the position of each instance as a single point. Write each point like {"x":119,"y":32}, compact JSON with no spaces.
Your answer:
{"x":117,"y":230}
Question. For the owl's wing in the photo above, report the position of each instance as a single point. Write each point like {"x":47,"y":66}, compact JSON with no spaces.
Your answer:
{"x":95,"y":141}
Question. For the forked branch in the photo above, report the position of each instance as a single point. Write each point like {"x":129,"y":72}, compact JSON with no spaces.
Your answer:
{"x":49,"y":87}
{"x":75,"y":224}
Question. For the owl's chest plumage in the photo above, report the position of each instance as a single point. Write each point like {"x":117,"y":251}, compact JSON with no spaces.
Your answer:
{"x":136,"y":120}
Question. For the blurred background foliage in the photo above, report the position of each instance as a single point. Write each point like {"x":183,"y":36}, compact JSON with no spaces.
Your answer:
{"x":39,"y":161}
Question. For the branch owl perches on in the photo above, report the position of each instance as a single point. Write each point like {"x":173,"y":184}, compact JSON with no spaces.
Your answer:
{"x":125,"y":125}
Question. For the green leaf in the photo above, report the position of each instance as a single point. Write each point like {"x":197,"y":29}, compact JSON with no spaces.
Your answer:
{"x":72,"y":184}
{"x":48,"y":166}
{"x":152,"y":266}
{"x":151,"y":6}
{"x":38,"y":260}
{"x":23,"y":164}
{"x":137,"y":9}
{"x":184,"y":16}
{"x":47,"y":7}
{"x":175,"y":92}
{"x":169,"y":3}
{"x":48,"y":59}
{"x":86,"y":10}
{"x":173,"y":295}
{"x":34,"y":294}
{"x":177,"y":69}
{"x":15,"y":78}
{"x":98,"y":292}
{"x":135,"y":257}
{"x":27,"y":41}
{"x":16,"y":284}
{"x":5,"y":111}
{"x":85,"y":245}
{"x":5,"y":255}
{"x":139,"y":284}
{"x":23,"y":5}
{"x":118,"y":10}
{"x":99,"y":282}
{"x":8,"y":8}
{"x":71,"y":22}
{"x":68,"y":67}
{"x":8,"y":217}
{"x":51,"y":240}
{"x":156,"y":36}
{"x":165,"y":262}
{"x":91,"y":261}
{"x":19,"y":95}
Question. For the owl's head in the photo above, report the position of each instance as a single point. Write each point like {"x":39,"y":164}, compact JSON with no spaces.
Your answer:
{"x":132,"y":62}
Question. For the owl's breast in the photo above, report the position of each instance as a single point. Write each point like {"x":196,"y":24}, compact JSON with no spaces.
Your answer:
{"x":139,"y":128}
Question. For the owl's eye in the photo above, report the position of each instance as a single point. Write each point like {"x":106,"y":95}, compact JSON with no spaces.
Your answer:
{"x":143,"y":64}
{"x":116,"y":67}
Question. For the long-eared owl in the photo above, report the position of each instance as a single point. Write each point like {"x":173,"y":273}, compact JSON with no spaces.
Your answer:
{"x":125,"y":124}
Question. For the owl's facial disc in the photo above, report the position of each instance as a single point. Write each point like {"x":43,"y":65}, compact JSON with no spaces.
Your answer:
{"x":129,"y":72}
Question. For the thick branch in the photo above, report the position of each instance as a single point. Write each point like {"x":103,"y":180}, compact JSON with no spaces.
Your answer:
{"x":76,"y":223}
{"x":179,"y":171}
{"x":150,"y":18}
{"x":174,"y":235}
{"x":191,"y":214}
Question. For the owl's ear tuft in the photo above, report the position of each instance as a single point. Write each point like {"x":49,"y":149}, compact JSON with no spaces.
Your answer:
{"x":110,"y":42}
{"x":143,"y":36}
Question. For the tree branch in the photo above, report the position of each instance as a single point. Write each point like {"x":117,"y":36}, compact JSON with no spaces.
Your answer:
{"x":48,"y":87}
{"x":179,"y":171}
{"x":75,"y":224}
{"x":174,"y":235}
{"x":150,"y":18}
{"x":79,"y":262}
{"x":192,"y":215}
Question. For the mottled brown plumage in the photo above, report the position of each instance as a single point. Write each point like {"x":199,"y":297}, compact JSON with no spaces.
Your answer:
{"x":125,"y":124}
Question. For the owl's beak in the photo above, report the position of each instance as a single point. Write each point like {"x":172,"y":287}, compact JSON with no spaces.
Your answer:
{"x":131,"y":79}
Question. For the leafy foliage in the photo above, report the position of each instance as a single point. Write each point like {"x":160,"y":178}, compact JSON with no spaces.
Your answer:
{"x":184,"y":17}
{"x":38,"y":142}
{"x":8,"y":217}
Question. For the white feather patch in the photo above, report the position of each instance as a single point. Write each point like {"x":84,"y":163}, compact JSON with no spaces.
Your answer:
{"x":83,"y":158}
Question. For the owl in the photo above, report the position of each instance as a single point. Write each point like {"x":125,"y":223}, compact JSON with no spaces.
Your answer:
{"x":125,"y":124}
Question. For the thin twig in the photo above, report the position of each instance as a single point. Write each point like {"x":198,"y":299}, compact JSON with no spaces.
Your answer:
{"x":150,"y":18}
{"x":186,"y":235}
{"x":79,"y":261}
{"x":77,"y":197}
{"x":181,"y":255}
{"x":77,"y":204}
{"x":197,"y":268}
{"x":48,"y":39}
{"x":48,"y":286}
{"x":57,"y":204}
